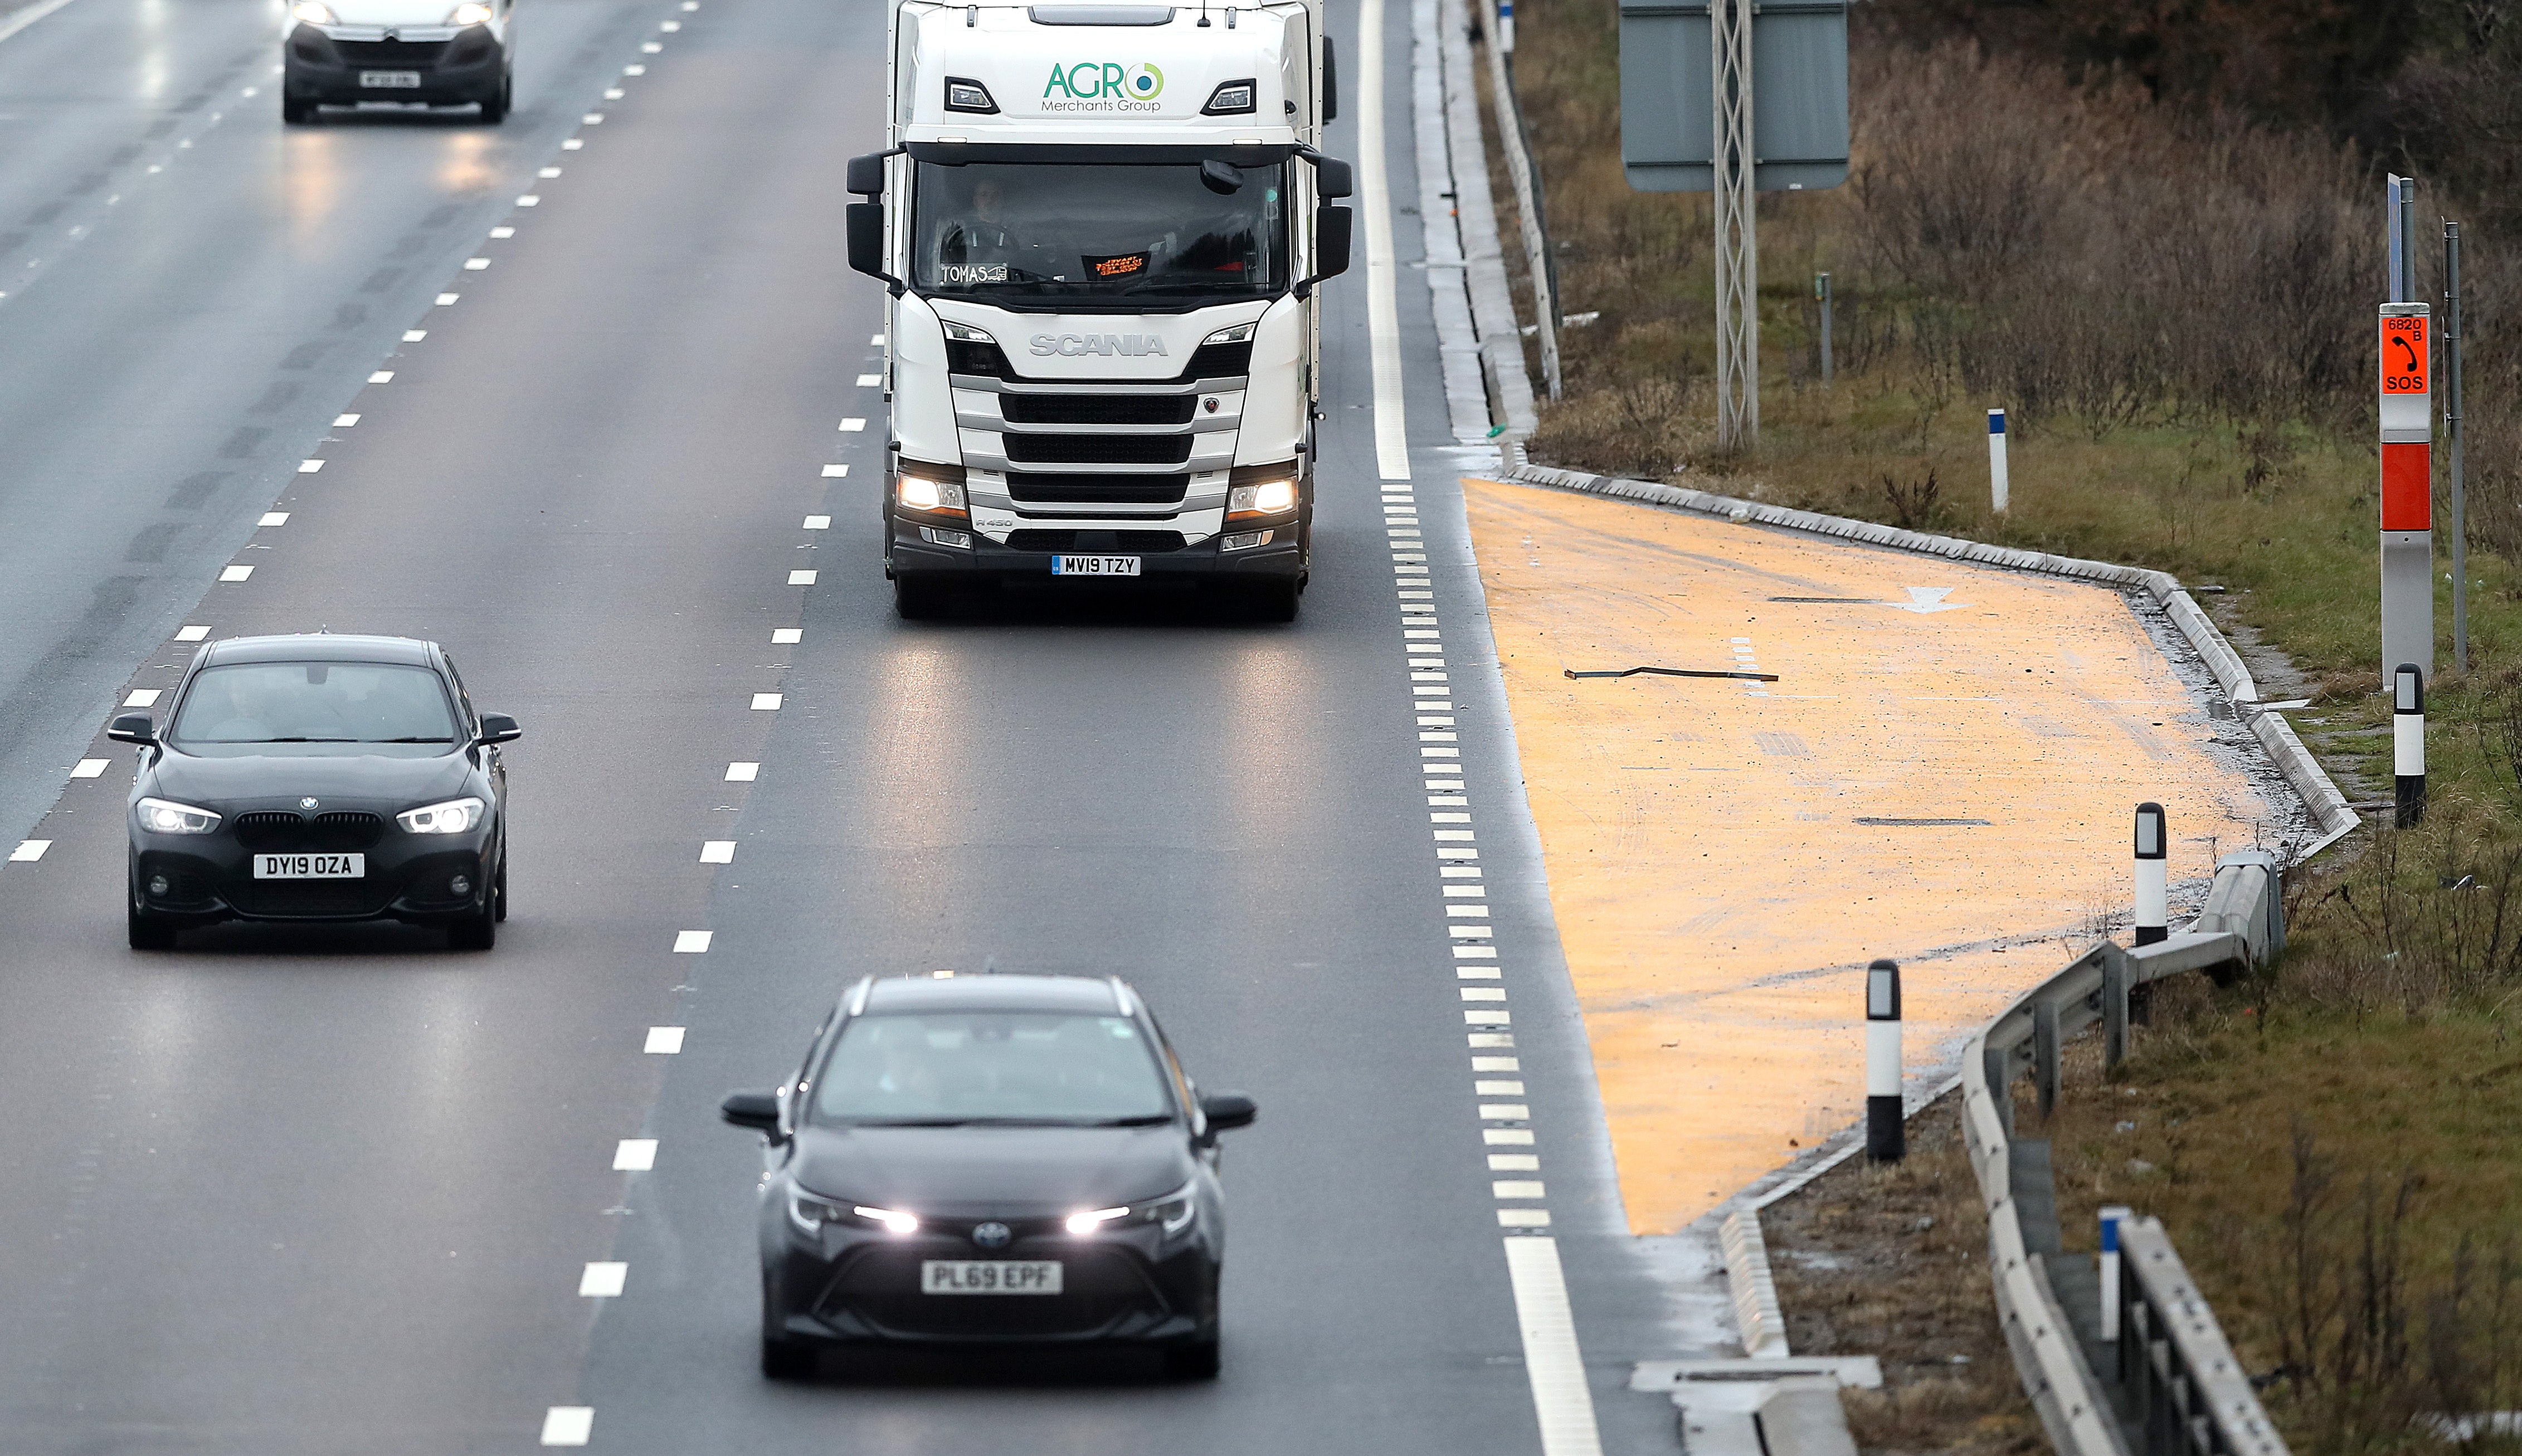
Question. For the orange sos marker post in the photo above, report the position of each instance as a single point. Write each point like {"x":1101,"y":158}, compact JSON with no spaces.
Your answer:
{"x":2407,"y":489}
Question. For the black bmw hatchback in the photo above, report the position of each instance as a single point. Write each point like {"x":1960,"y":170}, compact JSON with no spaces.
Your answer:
{"x":319,"y":778}
{"x":990,"y":1159}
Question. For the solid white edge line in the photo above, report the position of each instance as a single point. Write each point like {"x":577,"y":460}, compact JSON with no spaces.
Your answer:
{"x":1383,"y":305}
{"x":1560,"y":1398}
{"x":25,"y":18}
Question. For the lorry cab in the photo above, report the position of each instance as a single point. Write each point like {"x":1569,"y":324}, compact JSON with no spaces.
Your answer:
{"x":1102,"y":227}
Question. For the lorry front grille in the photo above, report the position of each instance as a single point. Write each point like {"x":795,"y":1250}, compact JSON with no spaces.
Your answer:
{"x":1098,"y":450}
{"x":1099,"y":409}
{"x":1144,"y":541}
{"x":1034,"y":488}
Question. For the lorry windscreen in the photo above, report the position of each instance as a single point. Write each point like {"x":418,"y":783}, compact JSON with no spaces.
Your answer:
{"x":1100,"y":231}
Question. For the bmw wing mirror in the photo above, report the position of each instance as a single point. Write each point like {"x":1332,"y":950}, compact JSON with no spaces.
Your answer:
{"x":758,"y":1111}
{"x":500,"y":728}
{"x":1226,"y":1110}
{"x":133,"y":728}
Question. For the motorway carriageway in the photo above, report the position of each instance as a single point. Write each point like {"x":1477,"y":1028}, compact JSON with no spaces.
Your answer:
{"x":576,"y":397}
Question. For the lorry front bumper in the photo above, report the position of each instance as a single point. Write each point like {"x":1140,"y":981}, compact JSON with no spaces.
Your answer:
{"x":1282,"y":556}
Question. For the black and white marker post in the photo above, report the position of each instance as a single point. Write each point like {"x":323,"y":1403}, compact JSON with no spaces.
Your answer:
{"x":2153,"y":889}
{"x":1887,"y":1137}
{"x":2408,"y":743}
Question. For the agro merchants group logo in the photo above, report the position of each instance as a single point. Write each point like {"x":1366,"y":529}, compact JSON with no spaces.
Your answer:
{"x":1102,"y":86}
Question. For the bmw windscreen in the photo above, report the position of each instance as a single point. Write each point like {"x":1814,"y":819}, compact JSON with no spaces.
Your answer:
{"x":1071,"y":234}
{"x":245,"y":707}
{"x":949,"y":1068}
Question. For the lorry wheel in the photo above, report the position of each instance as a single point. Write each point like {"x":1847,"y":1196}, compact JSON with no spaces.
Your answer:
{"x":1275,"y":600}
{"x":917,"y":596}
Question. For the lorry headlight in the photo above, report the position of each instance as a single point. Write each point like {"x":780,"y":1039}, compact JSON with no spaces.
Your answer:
{"x":965,"y":333}
{"x":929,"y":490}
{"x":312,"y":13}
{"x":967,"y":95}
{"x":470,"y":13}
{"x":1235,"y":335}
{"x":1267,"y":498}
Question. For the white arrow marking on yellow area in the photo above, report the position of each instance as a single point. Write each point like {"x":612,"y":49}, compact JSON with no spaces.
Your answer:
{"x":1928,"y":599}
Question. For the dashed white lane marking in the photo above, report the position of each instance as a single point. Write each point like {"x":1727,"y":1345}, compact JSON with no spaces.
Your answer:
{"x":869,"y":381}
{"x":786,"y":635}
{"x":766,"y":702}
{"x":345,"y":421}
{"x":801,"y":579}
{"x":236,"y":572}
{"x":1516,"y":1187}
{"x":382,"y":376}
{"x":878,"y":341}
{"x":1514,"y":1162}
{"x":743,"y":772}
{"x":1550,"y":1357}
{"x":309,"y":467}
{"x":819,"y":523}
{"x":504,"y":232}
{"x":572,"y":145}
{"x":191,"y":633}
{"x":650,"y":47}
{"x":722,"y":852}
{"x":592,"y":118}
{"x":90,"y":767}
{"x":634,"y":70}
{"x":476,"y":264}
{"x":853,"y":423}
{"x":273,"y":517}
{"x":602,"y":1281}
{"x":1523,"y":1218}
{"x":28,"y":851}
{"x":663,"y":1041}
{"x":549,"y":171}
{"x":448,"y":300}
{"x":835,"y":472}
{"x":614,"y":93}
{"x":528,"y":200}
{"x":669,"y":26}
{"x":414,"y":336}
{"x":1497,"y":1088}
{"x":692,"y":942}
{"x":567,"y":1424}
{"x":635,"y":1155}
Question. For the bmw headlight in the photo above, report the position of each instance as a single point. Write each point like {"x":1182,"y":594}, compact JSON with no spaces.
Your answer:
{"x":312,"y":13}
{"x":454,"y":817}
{"x":164,"y":817}
{"x":470,"y":13}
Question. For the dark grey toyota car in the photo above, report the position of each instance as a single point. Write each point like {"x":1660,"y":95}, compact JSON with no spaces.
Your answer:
{"x":319,"y":778}
{"x":990,"y":1159}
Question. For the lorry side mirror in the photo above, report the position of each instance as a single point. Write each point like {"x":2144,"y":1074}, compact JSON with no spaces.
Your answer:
{"x":1330,"y":241}
{"x":865,"y":224}
{"x":867,"y":174}
{"x":1331,"y":176}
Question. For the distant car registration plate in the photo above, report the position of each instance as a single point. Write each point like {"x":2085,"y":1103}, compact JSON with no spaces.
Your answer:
{"x":1093,"y":566}
{"x":400,"y":81}
{"x":310,"y":866}
{"x":988,"y":1276}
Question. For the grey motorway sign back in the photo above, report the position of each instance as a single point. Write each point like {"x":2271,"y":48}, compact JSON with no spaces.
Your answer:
{"x":1799,"y":95}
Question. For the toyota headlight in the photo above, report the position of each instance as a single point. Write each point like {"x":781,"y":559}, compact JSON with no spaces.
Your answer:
{"x":312,"y":13}
{"x":809,"y":1213}
{"x":1266,"y":499}
{"x":164,"y":817}
{"x":1173,"y":1212}
{"x":454,"y":817}
{"x":470,"y":13}
{"x":894,"y":1220}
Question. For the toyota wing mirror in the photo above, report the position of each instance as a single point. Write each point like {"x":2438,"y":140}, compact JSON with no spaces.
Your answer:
{"x":1331,"y":246}
{"x":1226,"y":1110}
{"x":500,"y":728}
{"x":133,"y":728}
{"x":758,"y":1111}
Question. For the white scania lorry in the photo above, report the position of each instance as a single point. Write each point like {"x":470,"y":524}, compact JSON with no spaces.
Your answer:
{"x":1102,"y":227}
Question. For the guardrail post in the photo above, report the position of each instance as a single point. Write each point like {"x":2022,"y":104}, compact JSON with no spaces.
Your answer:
{"x":2108,"y":1268}
{"x":2044,"y":1054}
{"x":2408,"y":743}
{"x":1886,"y":1133}
{"x":2115,"y":1006}
{"x":2153,"y":890}
{"x":1998,"y":1068}
{"x":1998,"y":487}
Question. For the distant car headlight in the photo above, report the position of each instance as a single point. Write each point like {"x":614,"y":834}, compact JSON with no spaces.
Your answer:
{"x":312,"y":13}
{"x":1088,"y":1222}
{"x":1172,"y":1214}
{"x":1268,"y":499}
{"x":163,"y":817}
{"x":895,"y":1220}
{"x":454,"y":817}
{"x":470,"y":13}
